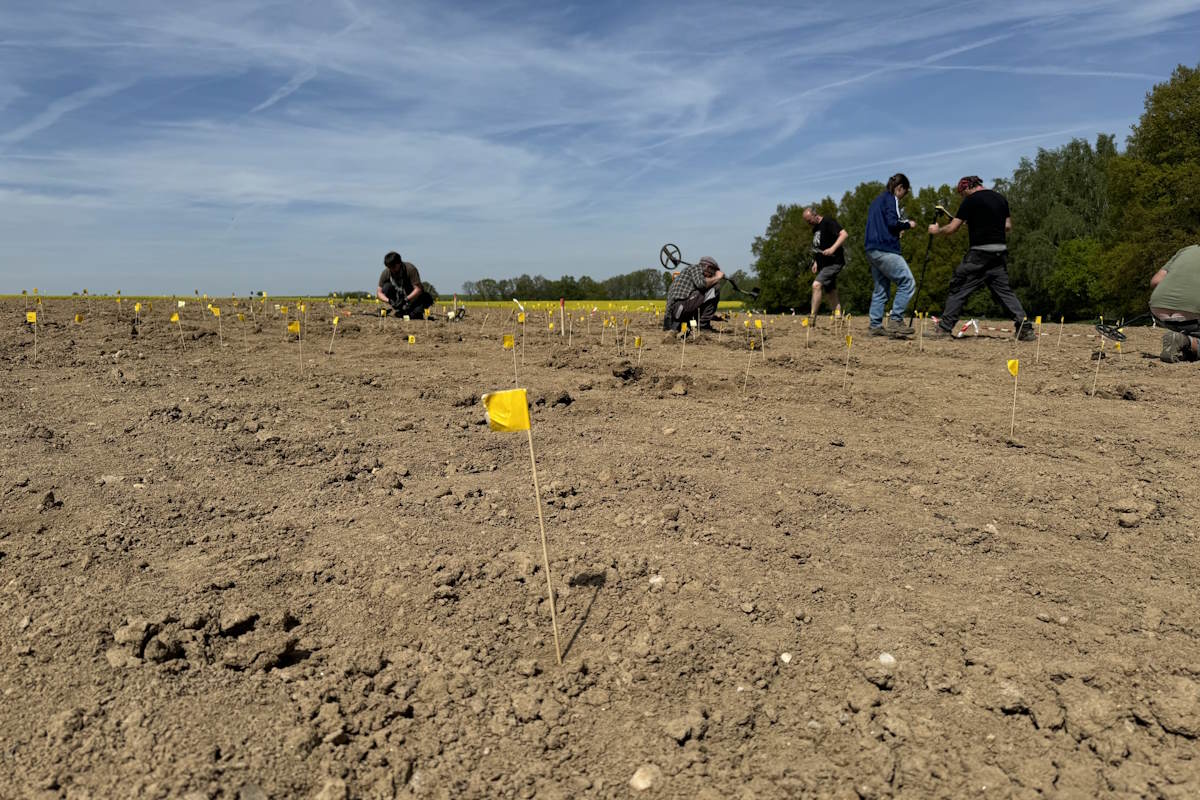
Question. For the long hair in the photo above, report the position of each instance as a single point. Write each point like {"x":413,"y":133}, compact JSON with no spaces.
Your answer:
{"x":899,"y":179}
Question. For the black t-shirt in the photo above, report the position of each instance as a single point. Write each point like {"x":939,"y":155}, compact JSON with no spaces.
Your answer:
{"x":984,"y":213}
{"x":825,"y":234}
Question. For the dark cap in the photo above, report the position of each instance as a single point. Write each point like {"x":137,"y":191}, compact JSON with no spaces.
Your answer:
{"x":708,"y":263}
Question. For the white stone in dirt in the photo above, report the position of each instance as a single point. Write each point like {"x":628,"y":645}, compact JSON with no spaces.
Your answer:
{"x":668,"y":431}
{"x":785,"y":658}
{"x":657,"y":581}
{"x":887,"y":659}
{"x":646,"y":777}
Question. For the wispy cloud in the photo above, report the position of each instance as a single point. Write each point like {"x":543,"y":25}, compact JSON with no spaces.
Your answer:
{"x":299,"y":79}
{"x":58,"y":109}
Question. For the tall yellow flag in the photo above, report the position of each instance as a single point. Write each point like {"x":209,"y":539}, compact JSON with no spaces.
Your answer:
{"x":1014,"y":366}
{"x":758,"y":323}
{"x":507,"y":410}
{"x":521,"y":318}
{"x":1037,"y":320}
{"x":637,"y":342}
{"x":849,"y":341}
{"x":412,"y":339}
{"x":79,"y":319}
{"x":508,"y":341}
{"x":335,"y":321}
{"x":216,"y":311}
{"x":137,"y":307}
{"x":294,"y":327}
{"x":31,"y":316}
{"x":804,"y":322}
{"x":175,"y":317}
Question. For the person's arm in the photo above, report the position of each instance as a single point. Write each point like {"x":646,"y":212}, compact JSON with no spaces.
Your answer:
{"x":951,"y":227}
{"x":383,"y":298}
{"x":1008,"y":224}
{"x":1158,"y":277}
{"x":841,"y":240}
{"x":415,"y":293}
{"x":712,"y":280}
{"x":892,"y":219}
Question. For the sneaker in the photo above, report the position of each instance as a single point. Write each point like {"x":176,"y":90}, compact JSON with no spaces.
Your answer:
{"x":897,"y":329}
{"x":876,"y":331}
{"x":1174,"y":346}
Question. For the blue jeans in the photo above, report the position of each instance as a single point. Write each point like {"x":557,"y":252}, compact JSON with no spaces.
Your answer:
{"x":886,"y":269}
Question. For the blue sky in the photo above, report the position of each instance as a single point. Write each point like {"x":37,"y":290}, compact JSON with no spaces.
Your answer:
{"x":229,"y":146}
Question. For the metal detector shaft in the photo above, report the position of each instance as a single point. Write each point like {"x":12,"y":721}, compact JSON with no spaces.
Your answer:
{"x":938,"y":211}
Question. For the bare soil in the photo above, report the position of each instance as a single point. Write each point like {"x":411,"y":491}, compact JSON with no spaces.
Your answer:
{"x":221,"y":578}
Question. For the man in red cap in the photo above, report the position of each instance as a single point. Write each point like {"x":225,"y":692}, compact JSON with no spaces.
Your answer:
{"x":985,"y":212}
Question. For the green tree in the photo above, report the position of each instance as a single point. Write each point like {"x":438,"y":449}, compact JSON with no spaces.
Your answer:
{"x":1154,"y":191}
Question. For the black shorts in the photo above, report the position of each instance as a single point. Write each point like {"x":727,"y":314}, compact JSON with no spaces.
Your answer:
{"x":827,"y":275}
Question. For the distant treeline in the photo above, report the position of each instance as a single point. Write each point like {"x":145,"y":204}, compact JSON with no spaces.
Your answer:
{"x":642,"y":284}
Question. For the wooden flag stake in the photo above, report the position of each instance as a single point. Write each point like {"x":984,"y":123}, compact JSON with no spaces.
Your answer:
{"x":846,"y":373}
{"x":335,"y":324}
{"x":1099,"y":358}
{"x":537,"y":500}
{"x":746,"y":377}
{"x":1012,"y":425}
{"x":1061,"y":322}
{"x":683,"y":329}
{"x":1037,"y":351}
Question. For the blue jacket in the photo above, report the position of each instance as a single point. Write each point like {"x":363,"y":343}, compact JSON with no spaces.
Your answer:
{"x":884,"y":223}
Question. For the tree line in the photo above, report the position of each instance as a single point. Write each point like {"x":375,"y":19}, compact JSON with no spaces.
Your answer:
{"x":1090,"y":226}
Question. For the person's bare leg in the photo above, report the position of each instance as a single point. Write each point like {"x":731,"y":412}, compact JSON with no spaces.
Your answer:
{"x":816,"y":298}
{"x":831,"y":297}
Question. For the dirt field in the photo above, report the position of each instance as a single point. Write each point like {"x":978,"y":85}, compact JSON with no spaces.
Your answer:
{"x":223,"y":579}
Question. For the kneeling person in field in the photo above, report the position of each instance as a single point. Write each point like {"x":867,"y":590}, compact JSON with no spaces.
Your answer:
{"x":1175,"y":304}
{"x":400,"y":287}
{"x":694,"y":294}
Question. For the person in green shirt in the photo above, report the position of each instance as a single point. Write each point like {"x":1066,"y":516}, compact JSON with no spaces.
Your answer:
{"x":1175,"y":304}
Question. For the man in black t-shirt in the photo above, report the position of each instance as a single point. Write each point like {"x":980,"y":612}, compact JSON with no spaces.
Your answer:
{"x":988,"y":221}
{"x":829,"y":257}
{"x":400,"y":287}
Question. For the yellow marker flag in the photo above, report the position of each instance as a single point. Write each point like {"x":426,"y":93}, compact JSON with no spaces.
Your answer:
{"x":301,"y":308}
{"x":1014,"y":366}
{"x":383,"y":313}
{"x":412,"y":339}
{"x":1037,"y":320}
{"x":683,"y":327}
{"x":216,"y":311}
{"x":294,"y":327}
{"x":849,"y":341}
{"x":283,"y":309}
{"x":521,"y":318}
{"x":508,"y":341}
{"x":79,"y":319}
{"x":1118,"y":347}
{"x":335,"y":321}
{"x":31,"y":316}
{"x":241,"y":317}
{"x":804,"y":322}
{"x":551,"y":326}
{"x":137,"y":307}
{"x":758,"y":323}
{"x":507,"y":410}
{"x":175,"y":317}
{"x":637,"y":342}
{"x":745,"y":323}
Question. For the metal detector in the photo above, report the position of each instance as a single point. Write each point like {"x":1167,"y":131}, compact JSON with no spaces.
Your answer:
{"x":938,"y":210}
{"x":670,"y":258}
{"x":1115,"y":332}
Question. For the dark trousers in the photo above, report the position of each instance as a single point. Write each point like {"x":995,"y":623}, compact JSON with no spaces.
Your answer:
{"x":1188,"y":327}
{"x":400,"y":308}
{"x":692,"y":304}
{"x":980,"y":268}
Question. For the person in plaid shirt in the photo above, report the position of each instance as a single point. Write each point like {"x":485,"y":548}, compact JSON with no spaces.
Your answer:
{"x":693,"y":293}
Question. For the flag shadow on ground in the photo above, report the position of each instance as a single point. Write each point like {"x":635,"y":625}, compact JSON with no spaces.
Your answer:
{"x":595,"y":580}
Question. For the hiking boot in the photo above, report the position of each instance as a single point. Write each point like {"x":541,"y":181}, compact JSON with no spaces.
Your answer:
{"x":1027,"y":334}
{"x":938,"y":332}
{"x":897,"y":329}
{"x":1176,"y":347}
{"x":876,"y":331}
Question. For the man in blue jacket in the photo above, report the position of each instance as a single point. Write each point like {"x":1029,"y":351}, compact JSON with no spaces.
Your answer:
{"x":885,"y":223}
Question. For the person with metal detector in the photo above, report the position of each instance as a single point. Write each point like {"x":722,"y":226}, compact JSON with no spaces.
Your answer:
{"x":829,"y":258}
{"x":694,"y":294}
{"x":885,"y":223}
{"x":1175,"y":304}
{"x":400,"y":287}
{"x":986,"y":214}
